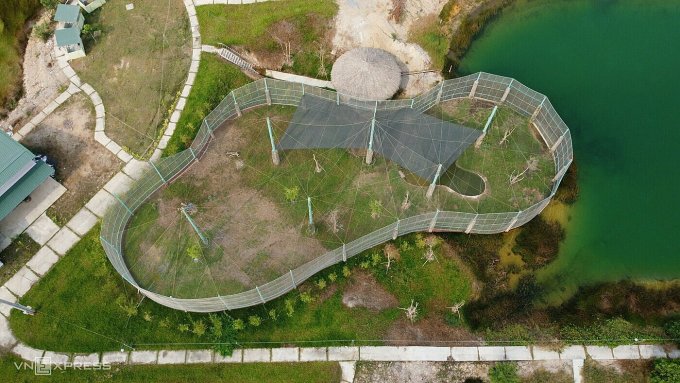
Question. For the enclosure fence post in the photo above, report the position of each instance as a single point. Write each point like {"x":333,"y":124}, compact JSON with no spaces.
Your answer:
{"x":292,"y":278}
{"x":538,"y":109}
{"x":433,"y":223}
{"x":507,"y":90}
{"x":557,"y":143}
{"x":430,"y":190}
{"x":395,"y":232}
{"x":413,"y":100}
{"x":266,"y":93}
{"x":474,"y":86}
{"x":439,"y":93}
{"x":260,"y":294}
{"x":275,"y":153}
{"x":159,"y":173}
{"x":191,"y":150}
{"x":337,"y":98}
{"x":122,"y":203}
{"x":311,"y":216}
{"x":238,"y":110}
{"x":513,"y":222}
{"x":344,"y":253}
{"x":226,"y":306}
{"x":471,"y":224}
{"x":369,"y":152}
{"x":212,"y":135}
{"x":303,"y":89}
{"x":560,"y":174}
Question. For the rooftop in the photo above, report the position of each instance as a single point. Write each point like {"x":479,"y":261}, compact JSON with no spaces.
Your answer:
{"x":67,"y":36}
{"x":367,"y":74}
{"x":67,"y":13}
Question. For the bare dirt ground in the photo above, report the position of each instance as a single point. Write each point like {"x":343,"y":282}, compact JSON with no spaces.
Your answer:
{"x":367,"y":23}
{"x":364,"y":290}
{"x":42,"y":79}
{"x":453,"y":372}
{"x":82,"y":165}
{"x":428,"y":332}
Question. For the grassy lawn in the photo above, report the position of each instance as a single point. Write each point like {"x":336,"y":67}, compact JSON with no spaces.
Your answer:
{"x":263,"y":29}
{"x":138,"y":66}
{"x":242,"y":373}
{"x":214,"y":80}
{"x":428,"y":34}
{"x":14,"y":15}
{"x":16,"y":255}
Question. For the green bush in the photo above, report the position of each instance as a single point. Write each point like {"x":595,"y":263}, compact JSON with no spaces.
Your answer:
{"x":50,"y":4}
{"x":672,"y":330}
{"x":43,"y":30}
{"x":666,"y":371}
{"x":504,"y":373}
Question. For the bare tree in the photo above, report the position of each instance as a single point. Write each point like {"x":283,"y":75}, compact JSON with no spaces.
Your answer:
{"x":411,"y":311}
{"x":507,"y":134}
{"x":397,"y":12}
{"x":335,"y":225}
{"x":531,"y":166}
{"x":317,"y":168}
{"x":455,"y":309}
{"x":406,"y":204}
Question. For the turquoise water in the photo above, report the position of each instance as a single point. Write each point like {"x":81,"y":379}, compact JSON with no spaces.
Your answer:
{"x":612,"y":71}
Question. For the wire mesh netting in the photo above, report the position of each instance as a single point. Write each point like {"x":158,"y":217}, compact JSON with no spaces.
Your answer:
{"x":219,"y":226}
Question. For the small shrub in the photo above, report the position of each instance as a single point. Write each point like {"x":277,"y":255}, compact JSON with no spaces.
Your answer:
{"x":194,"y":251}
{"x":128,"y":306}
{"x":420,"y":241}
{"x":291,"y":194}
{"x":238,"y":325}
{"x":198,"y":328}
{"x":346,"y":272}
{"x":404,"y":246}
{"x":183,"y":327}
{"x":165,"y":323}
{"x":290,"y":307}
{"x":254,"y":320}
{"x":49,"y":4}
{"x":273,"y":315}
{"x":452,"y":319}
{"x":321,"y":284}
{"x":306,"y":297}
{"x":365,"y":264}
{"x":672,"y":330}
{"x":665,"y":371}
{"x":216,"y":326}
{"x":376,"y":258}
{"x":504,"y":373}
{"x":332,"y":277}
{"x":147,"y":316}
{"x":376,"y":207}
{"x":43,"y":31}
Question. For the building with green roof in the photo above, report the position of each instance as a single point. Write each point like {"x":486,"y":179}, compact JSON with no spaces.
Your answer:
{"x":20,"y":174}
{"x":67,"y":35}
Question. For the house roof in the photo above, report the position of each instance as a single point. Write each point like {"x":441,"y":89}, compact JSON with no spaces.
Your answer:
{"x":67,"y":13}
{"x":19,"y":174}
{"x":67,"y":36}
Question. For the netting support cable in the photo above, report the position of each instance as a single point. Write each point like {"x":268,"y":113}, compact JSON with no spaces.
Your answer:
{"x":395,"y":232}
{"x":267,"y":96}
{"x":512,"y":223}
{"x":433,"y":223}
{"x":158,"y":171}
{"x":122,"y":203}
{"x":238,"y":110}
{"x":260,"y":294}
{"x":275,"y":153}
{"x":344,"y":253}
{"x":430,"y":189}
{"x":369,"y":152}
{"x":507,"y":91}
{"x":471,"y":225}
{"x":292,"y":278}
{"x":538,"y":109}
{"x":474,"y":86}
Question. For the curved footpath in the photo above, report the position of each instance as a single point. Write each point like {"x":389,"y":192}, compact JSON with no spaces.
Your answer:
{"x":60,"y":241}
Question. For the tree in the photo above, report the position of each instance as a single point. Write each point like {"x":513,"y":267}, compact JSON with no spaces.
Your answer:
{"x":504,"y":373}
{"x":665,"y":371}
{"x":672,"y":330}
{"x":49,"y":4}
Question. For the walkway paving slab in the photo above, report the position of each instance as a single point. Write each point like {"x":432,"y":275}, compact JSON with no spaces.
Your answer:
{"x":235,"y":357}
{"x":577,"y":370}
{"x":285,"y":354}
{"x":200,"y":356}
{"x":348,"y":370}
{"x":136,"y":169}
{"x":465,"y":354}
{"x":542,"y":353}
{"x":491,"y":353}
{"x":115,"y":357}
{"x":313,"y":354}
{"x":172,"y":356}
{"x":7,"y":339}
{"x":26,"y":352}
{"x":43,"y":261}
{"x":600,"y":352}
{"x":673,"y":353}
{"x":573,"y":352}
{"x":143,"y":357}
{"x":649,"y":351}
{"x":63,"y":241}
{"x":343,"y":353}
{"x":42,"y":229}
{"x":56,"y":358}
{"x":86,"y":359}
{"x":518,"y":353}
{"x":626,"y":352}
{"x":21,"y":282}
{"x":82,"y":222}
{"x":100,"y":203}
{"x":256,"y":355}
{"x":119,"y":184}
{"x":8,"y":296}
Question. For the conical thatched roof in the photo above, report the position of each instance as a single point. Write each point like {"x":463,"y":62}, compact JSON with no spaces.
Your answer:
{"x":366,"y":73}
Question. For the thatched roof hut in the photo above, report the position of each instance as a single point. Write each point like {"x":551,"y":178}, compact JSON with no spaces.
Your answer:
{"x":367,"y":73}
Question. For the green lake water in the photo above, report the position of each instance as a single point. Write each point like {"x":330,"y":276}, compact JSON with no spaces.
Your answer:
{"x":612,"y":71}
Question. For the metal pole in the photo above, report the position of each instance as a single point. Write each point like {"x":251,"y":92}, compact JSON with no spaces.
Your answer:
{"x":275,"y":153}
{"x":28,"y":310}
{"x":266,"y":93}
{"x":344,"y":253}
{"x":260,"y":294}
{"x":157,"y":171}
{"x":309,"y":207}
{"x":369,"y":152}
{"x":430,"y":190}
{"x":433,"y":223}
{"x":238,"y":110}
{"x":193,"y":224}
{"x":292,"y":278}
{"x":490,"y":119}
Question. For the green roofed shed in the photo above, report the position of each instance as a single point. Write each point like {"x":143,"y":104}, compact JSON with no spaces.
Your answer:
{"x":68,"y":36}
{"x":20,"y":175}
{"x":67,"y":13}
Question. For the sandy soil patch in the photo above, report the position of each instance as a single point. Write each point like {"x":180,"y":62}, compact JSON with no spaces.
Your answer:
{"x":419,"y":372}
{"x":367,"y":23}
{"x":42,"y":79}
{"x":428,"y":332}
{"x":82,"y":165}
{"x":364,"y":290}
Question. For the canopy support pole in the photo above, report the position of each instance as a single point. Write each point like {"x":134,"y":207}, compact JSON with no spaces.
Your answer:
{"x":275,"y":153}
{"x":369,"y":152}
{"x":513,"y":222}
{"x":430,"y":189}
{"x":311,"y":217}
{"x":193,"y":224}
{"x":266,"y":93}
{"x":486,"y":127}
{"x":471,"y":224}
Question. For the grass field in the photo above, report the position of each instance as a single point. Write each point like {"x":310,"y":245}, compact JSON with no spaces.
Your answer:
{"x":214,"y":80}
{"x":14,"y":15}
{"x":138,"y":66}
{"x":263,"y":29}
{"x":241,"y":373}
